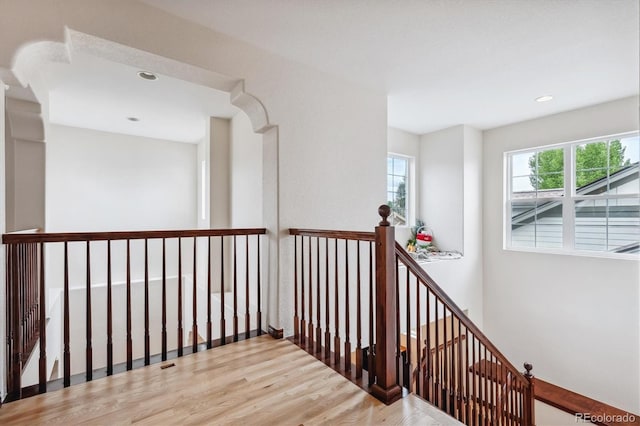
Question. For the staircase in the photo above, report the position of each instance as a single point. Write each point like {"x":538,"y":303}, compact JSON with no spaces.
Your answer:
{"x":366,"y":308}
{"x":361,"y":304}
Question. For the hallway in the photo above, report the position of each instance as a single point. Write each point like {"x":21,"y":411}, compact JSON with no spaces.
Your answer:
{"x":256,"y":381}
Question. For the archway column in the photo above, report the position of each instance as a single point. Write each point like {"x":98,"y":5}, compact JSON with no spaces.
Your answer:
{"x":271,"y":220}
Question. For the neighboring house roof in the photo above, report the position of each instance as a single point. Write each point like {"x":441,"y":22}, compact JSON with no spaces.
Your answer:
{"x":629,"y":248}
{"x":620,"y":177}
{"x":397,"y":217}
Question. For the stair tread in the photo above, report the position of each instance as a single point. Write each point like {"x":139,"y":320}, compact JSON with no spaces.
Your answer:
{"x":488,"y":369}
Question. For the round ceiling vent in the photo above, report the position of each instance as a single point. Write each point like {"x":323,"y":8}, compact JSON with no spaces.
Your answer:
{"x":147,"y":75}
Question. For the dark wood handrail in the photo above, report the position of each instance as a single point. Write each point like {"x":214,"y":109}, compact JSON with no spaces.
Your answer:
{"x":341,"y":235}
{"x":575,"y":403}
{"x":426,"y":280}
{"x":59,"y":237}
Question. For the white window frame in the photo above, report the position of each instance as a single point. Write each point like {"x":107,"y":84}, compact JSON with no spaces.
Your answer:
{"x":409,"y":187}
{"x":568,"y":200}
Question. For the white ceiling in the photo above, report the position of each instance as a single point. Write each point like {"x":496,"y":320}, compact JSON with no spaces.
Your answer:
{"x":448,"y":62}
{"x":94,"y":93}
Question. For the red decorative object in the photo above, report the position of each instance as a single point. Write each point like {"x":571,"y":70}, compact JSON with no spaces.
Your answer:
{"x":424,"y":237}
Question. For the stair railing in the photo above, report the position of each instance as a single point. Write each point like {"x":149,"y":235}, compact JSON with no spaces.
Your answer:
{"x":417,"y":338}
{"x":164,"y":271}
{"x":24,"y":309}
{"x":448,"y":360}
{"x":325,"y":320}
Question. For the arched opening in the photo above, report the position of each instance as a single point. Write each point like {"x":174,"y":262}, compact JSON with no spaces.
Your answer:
{"x":222,"y":177}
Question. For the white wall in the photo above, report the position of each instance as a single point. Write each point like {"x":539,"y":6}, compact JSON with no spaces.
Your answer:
{"x":246,"y":174}
{"x":547,"y":415}
{"x":27,"y":210}
{"x":101,"y":181}
{"x":220,"y":178}
{"x":25,"y":165}
{"x":575,"y":318}
{"x":448,"y":170}
{"x":442,"y":186}
{"x":403,"y":143}
{"x":97,"y":181}
{"x":451,"y":205}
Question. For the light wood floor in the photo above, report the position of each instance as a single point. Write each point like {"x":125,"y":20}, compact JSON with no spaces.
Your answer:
{"x":260,"y":381}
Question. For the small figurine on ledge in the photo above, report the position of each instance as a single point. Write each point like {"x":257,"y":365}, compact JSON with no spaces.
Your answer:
{"x":411,"y":243}
{"x":424,"y":239}
{"x":421,"y":238}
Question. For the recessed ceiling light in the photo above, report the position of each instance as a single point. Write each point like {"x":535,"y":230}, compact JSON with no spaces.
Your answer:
{"x":544,"y":98}
{"x":147,"y":75}
{"x":133,"y":119}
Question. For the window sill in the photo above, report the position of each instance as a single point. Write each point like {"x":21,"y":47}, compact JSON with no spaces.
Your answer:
{"x":578,"y":253}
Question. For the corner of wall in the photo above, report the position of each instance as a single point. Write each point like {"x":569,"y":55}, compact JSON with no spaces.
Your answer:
{"x":2,"y":231}
{"x":220,"y":176}
{"x":473,"y":211}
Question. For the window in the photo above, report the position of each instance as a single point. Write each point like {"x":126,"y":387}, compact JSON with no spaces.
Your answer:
{"x":580,"y":196}
{"x":397,"y":189}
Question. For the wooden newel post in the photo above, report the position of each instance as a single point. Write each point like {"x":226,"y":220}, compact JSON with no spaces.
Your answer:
{"x":386,"y":388}
{"x":529,"y":397}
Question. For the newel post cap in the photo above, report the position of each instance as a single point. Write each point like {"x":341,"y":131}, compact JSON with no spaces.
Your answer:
{"x":528,"y":367}
{"x":384,"y":211}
